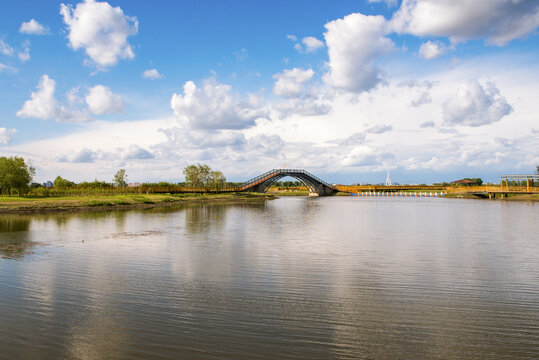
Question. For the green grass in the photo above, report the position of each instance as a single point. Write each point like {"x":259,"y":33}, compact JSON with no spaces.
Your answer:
{"x":15,"y":203}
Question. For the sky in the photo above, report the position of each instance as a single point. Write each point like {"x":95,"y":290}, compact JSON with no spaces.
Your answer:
{"x":428,"y":90}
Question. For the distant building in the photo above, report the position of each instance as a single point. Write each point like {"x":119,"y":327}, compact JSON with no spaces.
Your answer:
{"x":48,"y":184}
{"x":464,"y":182}
{"x":133,"y":184}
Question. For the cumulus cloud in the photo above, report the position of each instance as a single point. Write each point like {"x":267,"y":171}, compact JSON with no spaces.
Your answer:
{"x":499,"y":21}
{"x":312,"y":102}
{"x":261,"y":144}
{"x":354,"y":42}
{"x":431,"y":49}
{"x":307,"y":105}
{"x":476,"y":105}
{"x":101,"y":30}
{"x":5,"y":135}
{"x":101,"y":100}
{"x":312,"y":44}
{"x":308,"y":44}
{"x":151,"y":74}
{"x":354,"y":139}
{"x":365,"y":155}
{"x":43,"y":105}
{"x":214,"y":106}
{"x":33,"y":27}
{"x":290,"y":82}
{"x":421,"y":90}
{"x":82,"y":155}
{"x":135,"y":152}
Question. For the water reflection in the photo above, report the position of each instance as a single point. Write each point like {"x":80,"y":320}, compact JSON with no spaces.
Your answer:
{"x":14,"y":241}
{"x":291,"y":278}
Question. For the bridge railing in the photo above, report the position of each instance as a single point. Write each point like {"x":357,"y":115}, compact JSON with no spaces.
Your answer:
{"x":269,"y":174}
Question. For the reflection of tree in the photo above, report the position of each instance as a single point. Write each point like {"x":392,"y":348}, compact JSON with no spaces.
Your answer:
{"x":14,"y":223}
{"x":203,"y":218}
{"x":14,"y":241}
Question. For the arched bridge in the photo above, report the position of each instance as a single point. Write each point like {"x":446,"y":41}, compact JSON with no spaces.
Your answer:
{"x":315,"y":185}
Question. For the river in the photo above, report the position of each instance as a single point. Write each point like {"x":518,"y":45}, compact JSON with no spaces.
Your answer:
{"x":292,"y":278}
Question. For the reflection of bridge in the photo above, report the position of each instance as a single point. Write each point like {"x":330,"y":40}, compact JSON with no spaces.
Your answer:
{"x":263,"y":182}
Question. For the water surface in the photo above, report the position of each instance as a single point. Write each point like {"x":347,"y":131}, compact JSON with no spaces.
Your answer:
{"x":296,"y":278}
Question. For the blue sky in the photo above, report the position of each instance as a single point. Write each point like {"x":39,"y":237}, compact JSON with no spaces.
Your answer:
{"x":347,"y":90}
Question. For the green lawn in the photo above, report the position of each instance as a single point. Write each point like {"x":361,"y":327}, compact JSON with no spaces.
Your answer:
{"x":29,"y":203}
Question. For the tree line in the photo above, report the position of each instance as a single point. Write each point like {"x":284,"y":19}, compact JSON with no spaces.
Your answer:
{"x":16,"y":177}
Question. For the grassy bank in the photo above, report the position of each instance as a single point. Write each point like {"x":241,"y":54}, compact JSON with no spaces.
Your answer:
{"x":28,"y":204}
{"x":510,"y":197}
{"x":523,"y":197}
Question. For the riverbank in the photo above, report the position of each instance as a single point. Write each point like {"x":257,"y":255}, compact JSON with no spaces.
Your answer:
{"x":25,"y":205}
{"x":511,"y":197}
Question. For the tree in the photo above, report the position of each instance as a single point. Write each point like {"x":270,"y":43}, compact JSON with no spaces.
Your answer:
{"x":15,"y":174}
{"x":61,"y":183}
{"x":217,"y":180}
{"x":120,"y":179}
{"x":197,"y":175}
{"x":537,"y":170}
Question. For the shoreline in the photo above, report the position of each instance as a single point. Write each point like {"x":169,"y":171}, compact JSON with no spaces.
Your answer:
{"x":122,"y":202}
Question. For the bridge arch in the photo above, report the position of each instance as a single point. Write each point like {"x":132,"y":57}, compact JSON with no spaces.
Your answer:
{"x":263,"y":182}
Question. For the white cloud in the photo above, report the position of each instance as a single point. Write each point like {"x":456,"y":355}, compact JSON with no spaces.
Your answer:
{"x":82,"y":155}
{"x":292,"y":38}
{"x":24,"y":53}
{"x":379,"y":129}
{"x":306,"y":105}
{"x":5,"y":48}
{"x":43,"y":105}
{"x":499,"y":21}
{"x":431,"y":49}
{"x":4,"y":67}
{"x":184,"y":138}
{"x":33,"y":27}
{"x":151,"y":74}
{"x":214,"y":106}
{"x":5,"y":135}
{"x":312,"y":44}
{"x":101,"y":100}
{"x":424,"y":98}
{"x":476,"y":105}
{"x":100,"y":29}
{"x":354,"y":43}
{"x":290,"y":82}
{"x":309,"y":44}
{"x":427,"y":124}
{"x":365,"y":155}
{"x":135,"y":152}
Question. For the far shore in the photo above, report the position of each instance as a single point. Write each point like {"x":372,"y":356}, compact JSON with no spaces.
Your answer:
{"x":30,"y":205}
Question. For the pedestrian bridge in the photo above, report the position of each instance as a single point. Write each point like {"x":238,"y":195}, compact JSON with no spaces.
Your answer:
{"x":263,"y":182}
